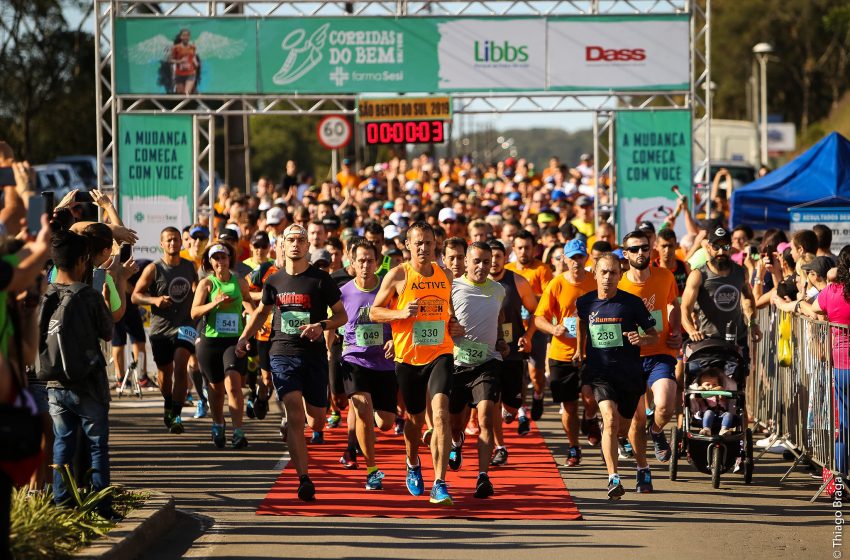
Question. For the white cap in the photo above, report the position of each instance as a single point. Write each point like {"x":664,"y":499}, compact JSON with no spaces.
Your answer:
{"x":391,"y":232}
{"x":264,"y":205}
{"x":446,"y":214}
{"x":274,"y":216}
{"x":218,"y":248}
{"x":294,"y":229}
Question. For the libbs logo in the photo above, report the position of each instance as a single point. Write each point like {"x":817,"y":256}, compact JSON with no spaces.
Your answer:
{"x":490,"y":51}
{"x":601,"y":54}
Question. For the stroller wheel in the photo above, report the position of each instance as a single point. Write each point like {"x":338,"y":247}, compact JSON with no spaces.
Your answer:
{"x":748,"y":458}
{"x":675,"y":443}
{"x":715,"y":465}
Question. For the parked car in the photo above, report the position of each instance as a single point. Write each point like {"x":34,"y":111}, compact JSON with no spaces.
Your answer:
{"x":48,"y":178}
{"x":86,"y":168}
{"x":69,"y":176}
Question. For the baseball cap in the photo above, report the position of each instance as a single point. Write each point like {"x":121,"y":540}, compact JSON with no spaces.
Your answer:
{"x":274,"y":216}
{"x":331,"y":222}
{"x":391,"y":232}
{"x":820,"y":265}
{"x":584,"y":200}
{"x":199,"y":232}
{"x":719,"y":234}
{"x":619,"y":254}
{"x":646,"y":226}
{"x":260,"y":239}
{"x":218,"y":248}
{"x":294,"y":229}
{"x":229,"y":233}
{"x":319,"y":255}
{"x":545,"y":218}
{"x":447,"y":214}
{"x":388,"y":205}
{"x":558,"y":195}
{"x":575,"y":248}
{"x":584,"y":156}
{"x":514,"y":196}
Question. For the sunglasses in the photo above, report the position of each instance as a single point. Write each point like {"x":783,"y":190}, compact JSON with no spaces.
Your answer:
{"x":725,"y":247}
{"x":638,"y":249}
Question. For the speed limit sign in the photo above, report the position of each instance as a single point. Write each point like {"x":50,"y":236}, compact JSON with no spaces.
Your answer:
{"x":334,"y":132}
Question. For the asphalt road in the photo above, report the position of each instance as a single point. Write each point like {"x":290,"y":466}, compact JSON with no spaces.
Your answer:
{"x":218,"y":491}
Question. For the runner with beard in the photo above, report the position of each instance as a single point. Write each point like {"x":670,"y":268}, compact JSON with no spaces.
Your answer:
{"x":719,"y":294}
{"x":657,"y":288}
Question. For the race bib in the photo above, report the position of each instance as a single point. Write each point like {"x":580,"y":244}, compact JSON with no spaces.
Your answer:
{"x":659,"y":317}
{"x":291,"y":320}
{"x":429,"y":333}
{"x":227,"y":323}
{"x":187,"y":334}
{"x":570,"y":325}
{"x":471,"y":353}
{"x":369,"y":335}
{"x":606,"y":335}
{"x":508,"y":332}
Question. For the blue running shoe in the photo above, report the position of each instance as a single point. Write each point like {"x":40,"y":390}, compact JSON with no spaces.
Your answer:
{"x":440,"y":494}
{"x":615,"y":489}
{"x":456,"y":454}
{"x":334,"y":419}
{"x":415,"y":485}
{"x":218,"y":436}
{"x":177,"y":426}
{"x":238,"y":440}
{"x":662,"y":448}
{"x":644,"y":481}
{"x":318,"y":437}
{"x":201,"y":410}
{"x":249,"y":409}
{"x":625,"y":449}
{"x":373,"y":481}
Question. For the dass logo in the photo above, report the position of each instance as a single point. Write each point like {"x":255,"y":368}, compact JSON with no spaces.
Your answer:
{"x":601,"y":54}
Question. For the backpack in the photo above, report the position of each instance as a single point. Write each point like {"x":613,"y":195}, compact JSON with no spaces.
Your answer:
{"x":69,"y":347}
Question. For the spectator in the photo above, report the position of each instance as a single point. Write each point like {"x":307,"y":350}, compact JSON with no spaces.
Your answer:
{"x":824,"y":235}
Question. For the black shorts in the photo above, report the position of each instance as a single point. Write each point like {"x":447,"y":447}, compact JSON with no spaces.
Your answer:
{"x":216,"y":356}
{"x":417,"y":381}
{"x":335,"y":374}
{"x":263,"y":347}
{"x":564,"y":381}
{"x":510,"y":376}
{"x":539,"y":343}
{"x":163,"y":348}
{"x":307,"y":374}
{"x":626,"y":398}
{"x":382,"y":386}
{"x":130,"y":324}
{"x":473,"y":384}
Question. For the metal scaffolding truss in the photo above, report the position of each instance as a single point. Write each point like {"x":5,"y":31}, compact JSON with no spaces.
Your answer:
{"x":604,"y":105}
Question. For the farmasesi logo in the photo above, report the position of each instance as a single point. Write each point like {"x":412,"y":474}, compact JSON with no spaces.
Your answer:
{"x":489,"y":52}
{"x":599,"y":54}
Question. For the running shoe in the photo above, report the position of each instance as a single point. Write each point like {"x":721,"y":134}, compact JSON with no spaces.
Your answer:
{"x":415,"y":485}
{"x":536,"y":408}
{"x":373,"y":481}
{"x":662,"y":448}
{"x":348,"y":460}
{"x":167,"y":418}
{"x":218,"y":436}
{"x":261,"y":408}
{"x":456,"y":454}
{"x":238,"y":440}
{"x":573,"y":457}
{"x":119,"y":382}
{"x":472,"y":428}
{"x":318,"y":437}
{"x":594,"y":432}
{"x":508,"y":417}
{"x":249,"y":409}
{"x":724,"y":431}
{"x":284,"y":432}
{"x":426,"y":437}
{"x":189,"y":399}
{"x":523,"y":426}
{"x":201,"y":410}
{"x":306,"y":489}
{"x":145,"y":382}
{"x":399,"y":425}
{"x":440,"y":494}
{"x":625,"y":449}
{"x":644,"y":481}
{"x":483,"y":486}
{"x":177,"y":426}
{"x":334,"y":419}
{"x":500,"y":457}
{"x":615,"y":489}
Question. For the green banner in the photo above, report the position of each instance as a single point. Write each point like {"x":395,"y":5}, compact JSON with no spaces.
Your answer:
{"x":652,"y":154}
{"x":155,"y":181}
{"x":416,"y":54}
{"x":185,"y":55}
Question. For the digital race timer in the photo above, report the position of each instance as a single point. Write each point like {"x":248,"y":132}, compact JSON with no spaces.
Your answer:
{"x":405,"y":132}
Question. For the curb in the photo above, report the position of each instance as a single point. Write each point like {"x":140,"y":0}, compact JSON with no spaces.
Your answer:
{"x":133,"y":535}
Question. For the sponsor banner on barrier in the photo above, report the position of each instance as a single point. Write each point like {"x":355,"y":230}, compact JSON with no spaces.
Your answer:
{"x":362,"y":54}
{"x":154,"y":176}
{"x":652,"y":153}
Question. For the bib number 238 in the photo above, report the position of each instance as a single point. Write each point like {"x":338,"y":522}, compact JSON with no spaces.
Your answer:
{"x":606,"y":335}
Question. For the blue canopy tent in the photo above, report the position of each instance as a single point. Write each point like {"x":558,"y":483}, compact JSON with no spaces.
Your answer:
{"x":822,"y":173}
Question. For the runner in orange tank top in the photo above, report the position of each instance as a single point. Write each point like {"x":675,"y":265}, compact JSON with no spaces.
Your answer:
{"x":415,"y":299}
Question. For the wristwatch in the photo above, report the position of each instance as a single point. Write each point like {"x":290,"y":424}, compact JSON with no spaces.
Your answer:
{"x":322,"y":325}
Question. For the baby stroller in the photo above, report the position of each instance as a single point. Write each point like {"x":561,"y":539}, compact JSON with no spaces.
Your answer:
{"x":713,"y":454}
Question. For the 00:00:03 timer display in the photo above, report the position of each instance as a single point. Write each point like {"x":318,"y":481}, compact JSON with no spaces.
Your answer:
{"x":404,"y":132}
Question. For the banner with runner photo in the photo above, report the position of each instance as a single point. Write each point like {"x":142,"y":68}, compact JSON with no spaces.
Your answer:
{"x":155,"y":155}
{"x":652,"y":153}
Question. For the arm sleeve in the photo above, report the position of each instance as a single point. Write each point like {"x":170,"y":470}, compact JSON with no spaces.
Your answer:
{"x":643,"y":317}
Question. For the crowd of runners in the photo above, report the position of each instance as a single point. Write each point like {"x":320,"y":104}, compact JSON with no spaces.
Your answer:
{"x":439,"y":301}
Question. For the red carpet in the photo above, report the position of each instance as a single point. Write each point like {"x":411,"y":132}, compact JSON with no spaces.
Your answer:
{"x":528,"y":487}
